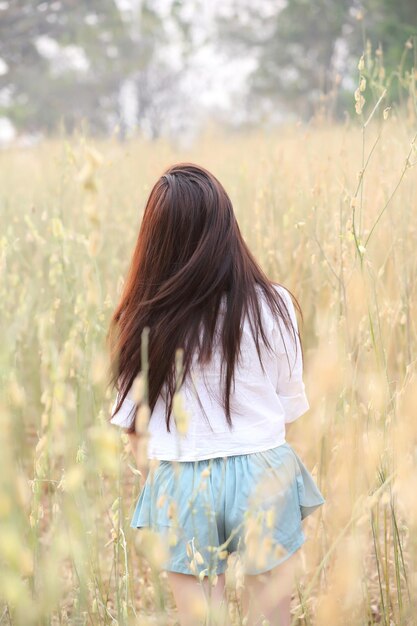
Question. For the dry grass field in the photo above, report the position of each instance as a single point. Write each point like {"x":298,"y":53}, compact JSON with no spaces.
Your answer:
{"x":330,"y":212}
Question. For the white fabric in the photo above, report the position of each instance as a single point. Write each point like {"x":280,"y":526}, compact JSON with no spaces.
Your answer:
{"x":261,"y":404}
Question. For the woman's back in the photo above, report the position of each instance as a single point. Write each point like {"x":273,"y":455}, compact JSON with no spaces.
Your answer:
{"x":239,"y":487}
{"x":261,"y":402}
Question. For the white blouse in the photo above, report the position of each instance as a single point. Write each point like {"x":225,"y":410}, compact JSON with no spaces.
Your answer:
{"x":261,"y":403}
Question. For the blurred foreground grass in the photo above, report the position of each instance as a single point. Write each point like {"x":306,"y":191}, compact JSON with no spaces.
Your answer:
{"x":71,"y":212}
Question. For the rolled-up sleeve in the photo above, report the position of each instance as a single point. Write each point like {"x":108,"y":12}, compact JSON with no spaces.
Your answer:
{"x":124,"y":415}
{"x":290,"y":384}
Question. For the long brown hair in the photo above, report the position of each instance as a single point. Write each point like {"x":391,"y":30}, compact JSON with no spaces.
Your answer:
{"x":189,"y":253}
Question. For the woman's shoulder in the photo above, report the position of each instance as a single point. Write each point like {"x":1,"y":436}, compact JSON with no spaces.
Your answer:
{"x":277,"y":286}
{"x":280,"y":289}
{"x":273,"y":321}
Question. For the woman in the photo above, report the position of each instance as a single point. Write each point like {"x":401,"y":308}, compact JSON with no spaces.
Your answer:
{"x":227,"y":481}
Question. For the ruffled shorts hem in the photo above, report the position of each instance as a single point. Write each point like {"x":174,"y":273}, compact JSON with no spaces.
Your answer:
{"x":221,"y":568}
{"x":203,"y":502}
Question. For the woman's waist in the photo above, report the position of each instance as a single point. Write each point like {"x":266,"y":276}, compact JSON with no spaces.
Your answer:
{"x":199,"y":444}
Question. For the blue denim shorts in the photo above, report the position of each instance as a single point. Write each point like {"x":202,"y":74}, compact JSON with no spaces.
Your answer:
{"x":252,"y":504}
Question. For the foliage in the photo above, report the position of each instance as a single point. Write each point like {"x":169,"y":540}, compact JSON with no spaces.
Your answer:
{"x":68,"y":62}
{"x":307,"y":51}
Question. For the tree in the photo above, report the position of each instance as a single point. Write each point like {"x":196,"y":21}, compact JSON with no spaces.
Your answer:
{"x":62,"y":60}
{"x":68,"y":61}
{"x":305,"y":48}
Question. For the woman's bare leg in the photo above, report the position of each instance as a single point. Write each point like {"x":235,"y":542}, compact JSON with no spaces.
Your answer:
{"x":268,"y":595}
{"x":191,"y":599}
